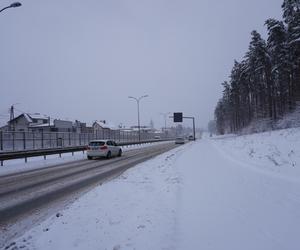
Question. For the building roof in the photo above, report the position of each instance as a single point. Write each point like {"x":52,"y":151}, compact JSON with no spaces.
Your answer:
{"x":38,"y":116}
{"x":26,"y":116}
{"x":105,"y":125}
{"x":29,"y":117}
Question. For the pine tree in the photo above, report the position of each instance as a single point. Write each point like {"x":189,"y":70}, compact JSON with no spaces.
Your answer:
{"x":277,"y":47}
{"x":259,"y":71}
{"x":291,"y":16}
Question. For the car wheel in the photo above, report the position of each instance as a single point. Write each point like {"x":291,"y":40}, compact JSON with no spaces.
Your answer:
{"x":108,"y":155}
{"x":120,"y":153}
{"x":90,"y":157}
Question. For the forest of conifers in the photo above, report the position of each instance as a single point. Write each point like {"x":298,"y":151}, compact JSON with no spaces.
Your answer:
{"x":266,"y":83}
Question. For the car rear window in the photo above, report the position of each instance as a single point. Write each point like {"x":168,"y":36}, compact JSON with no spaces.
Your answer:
{"x":96,"y":143}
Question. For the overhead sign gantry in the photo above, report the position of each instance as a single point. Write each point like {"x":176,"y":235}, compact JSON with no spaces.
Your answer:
{"x":178,"y":117}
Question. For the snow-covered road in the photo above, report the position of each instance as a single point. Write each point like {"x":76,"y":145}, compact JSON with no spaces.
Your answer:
{"x":193,"y":197}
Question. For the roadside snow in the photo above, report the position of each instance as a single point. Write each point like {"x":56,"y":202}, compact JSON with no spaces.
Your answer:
{"x":276,"y":151}
{"x":235,"y":193}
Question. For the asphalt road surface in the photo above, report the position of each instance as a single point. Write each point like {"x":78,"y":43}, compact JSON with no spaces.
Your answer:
{"x":24,"y":195}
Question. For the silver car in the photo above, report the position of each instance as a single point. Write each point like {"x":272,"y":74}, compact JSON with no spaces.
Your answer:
{"x":103,"y":148}
{"x":179,"y":140}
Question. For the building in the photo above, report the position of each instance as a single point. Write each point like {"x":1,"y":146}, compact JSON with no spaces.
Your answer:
{"x":102,"y":129}
{"x":56,"y":125}
{"x":24,"y":121}
{"x":4,"y":128}
{"x":82,"y":127}
{"x":42,"y":123}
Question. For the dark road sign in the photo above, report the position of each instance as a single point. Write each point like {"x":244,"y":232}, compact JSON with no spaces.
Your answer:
{"x":177,"y":117}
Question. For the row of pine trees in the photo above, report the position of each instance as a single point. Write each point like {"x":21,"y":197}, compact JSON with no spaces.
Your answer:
{"x":266,"y":83}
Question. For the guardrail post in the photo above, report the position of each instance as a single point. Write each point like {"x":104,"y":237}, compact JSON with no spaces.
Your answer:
{"x":24,"y":140}
{"x":1,"y":140}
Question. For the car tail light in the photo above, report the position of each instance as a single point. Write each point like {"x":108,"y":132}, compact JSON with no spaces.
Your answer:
{"x":103,"y":147}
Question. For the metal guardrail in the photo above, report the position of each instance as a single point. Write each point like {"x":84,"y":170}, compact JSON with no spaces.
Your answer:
{"x":52,"y":151}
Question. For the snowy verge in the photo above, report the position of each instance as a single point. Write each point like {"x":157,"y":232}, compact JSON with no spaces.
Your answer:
{"x":276,"y":152}
{"x":289,"y":120}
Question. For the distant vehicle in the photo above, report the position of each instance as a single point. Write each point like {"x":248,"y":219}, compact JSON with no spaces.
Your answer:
{"x":103,"y":148}
{"x":179,"y":140}
{"x":157,"y":137}
{"x":191,"y":138}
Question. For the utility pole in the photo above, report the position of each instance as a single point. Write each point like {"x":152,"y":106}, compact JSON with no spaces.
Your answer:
{"x":12,"y":115}
{"x":12,"y":112}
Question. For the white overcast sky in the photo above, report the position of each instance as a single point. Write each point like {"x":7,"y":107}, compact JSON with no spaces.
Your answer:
{"x":81,"y":59}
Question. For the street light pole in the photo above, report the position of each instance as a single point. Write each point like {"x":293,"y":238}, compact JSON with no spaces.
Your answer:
{"x":165,"y":117}
{"x":13,"y":5}
{"x":138,"y":110}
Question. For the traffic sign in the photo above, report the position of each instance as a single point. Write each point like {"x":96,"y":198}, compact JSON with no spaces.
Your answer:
{"x":177,"y":117}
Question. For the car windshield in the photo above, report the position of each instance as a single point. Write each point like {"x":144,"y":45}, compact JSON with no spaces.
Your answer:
{"x":96,"y":143}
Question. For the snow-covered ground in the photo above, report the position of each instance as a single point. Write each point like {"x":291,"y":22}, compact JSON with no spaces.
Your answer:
{"x":235,"y":192}
{"x":276,"y":151}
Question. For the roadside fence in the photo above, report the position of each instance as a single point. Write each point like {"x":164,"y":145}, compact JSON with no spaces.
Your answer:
{"x":16,"y":141}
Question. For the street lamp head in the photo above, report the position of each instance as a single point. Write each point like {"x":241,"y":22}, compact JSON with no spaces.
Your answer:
{"x":14,"y":5}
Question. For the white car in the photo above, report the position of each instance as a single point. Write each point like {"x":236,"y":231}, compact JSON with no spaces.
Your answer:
{"x":103,"y":148}
{"x":179,"y":140}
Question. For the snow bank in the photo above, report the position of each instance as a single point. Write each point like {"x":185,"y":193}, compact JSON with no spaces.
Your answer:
{"x":275,"y":151}
{"x":290,"y":120}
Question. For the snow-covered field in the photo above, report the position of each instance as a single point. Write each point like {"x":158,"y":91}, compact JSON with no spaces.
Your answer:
{"x":235,"y":192}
